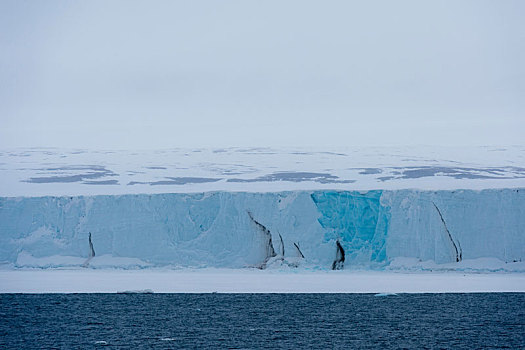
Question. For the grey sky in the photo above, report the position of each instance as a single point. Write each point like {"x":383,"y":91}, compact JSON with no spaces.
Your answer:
{"x":130,"y":74}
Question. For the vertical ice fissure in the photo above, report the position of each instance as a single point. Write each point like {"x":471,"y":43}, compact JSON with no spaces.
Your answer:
{"x":270,"y":251}
{"x":339,"y":261}
{"x":91,"y":249}
{"x":459,"y":253}
{"x":298,"y":250}
{"x":91,"y":252}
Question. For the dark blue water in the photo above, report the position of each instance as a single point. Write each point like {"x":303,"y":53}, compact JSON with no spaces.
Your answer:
{"x":252,"y":321}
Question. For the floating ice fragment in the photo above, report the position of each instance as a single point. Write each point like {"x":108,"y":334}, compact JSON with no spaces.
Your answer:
{"x":384,"y":294}
{"x":138,"y":291}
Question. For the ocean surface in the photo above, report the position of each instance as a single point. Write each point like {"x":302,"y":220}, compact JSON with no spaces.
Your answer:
{"x":255,"y":321}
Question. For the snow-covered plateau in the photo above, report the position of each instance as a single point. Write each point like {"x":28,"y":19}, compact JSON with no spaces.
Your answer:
{"x":380,"y":213}
{"x":59,"y":172}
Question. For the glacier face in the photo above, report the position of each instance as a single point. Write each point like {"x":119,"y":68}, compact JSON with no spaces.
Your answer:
{"x":215,"y":229}
{"x":357,"y":220}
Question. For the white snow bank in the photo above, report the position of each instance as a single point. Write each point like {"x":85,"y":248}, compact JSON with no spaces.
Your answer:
{"x":252,"y":281}
{"x":470,"y":265}
{"x":25,"y":259}
{"x":276,"y":264}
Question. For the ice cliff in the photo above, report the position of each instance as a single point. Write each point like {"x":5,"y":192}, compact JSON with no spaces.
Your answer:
{"x":229,"y":229}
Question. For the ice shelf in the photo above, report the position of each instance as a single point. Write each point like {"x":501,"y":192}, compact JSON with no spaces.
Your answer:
{"x":403,"y":229}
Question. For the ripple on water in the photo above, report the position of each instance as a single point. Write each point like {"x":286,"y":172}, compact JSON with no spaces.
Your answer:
{"x":459,"y":321}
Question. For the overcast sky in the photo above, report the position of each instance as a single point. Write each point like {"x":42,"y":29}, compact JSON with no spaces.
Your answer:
{"x":150,"y":74}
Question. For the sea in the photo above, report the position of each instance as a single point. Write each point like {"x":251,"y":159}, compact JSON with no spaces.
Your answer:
{"x":262,"y":321}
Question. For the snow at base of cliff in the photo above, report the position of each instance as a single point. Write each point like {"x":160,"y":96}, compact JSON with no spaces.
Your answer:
{"x":253,"y":281}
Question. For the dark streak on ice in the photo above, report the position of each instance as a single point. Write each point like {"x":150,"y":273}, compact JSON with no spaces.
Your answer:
{"x":454,"y":172}
{"x":270,"y":251}
{"x":93,"y":172}
{"x":177,"y":181}
{"x":459,"y":254}
{"x":282,"y":244}
{"x":91,"y":249}
{"x":295,"y":177}
{"x":298,"y":250}
{"x":386,"y":178}
{"x":91,"y":252}
{"x":104,"y":182}
{"x":339,"y":261}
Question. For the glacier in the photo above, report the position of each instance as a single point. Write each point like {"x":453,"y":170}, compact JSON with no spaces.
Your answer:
{"x":378,"y":229}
